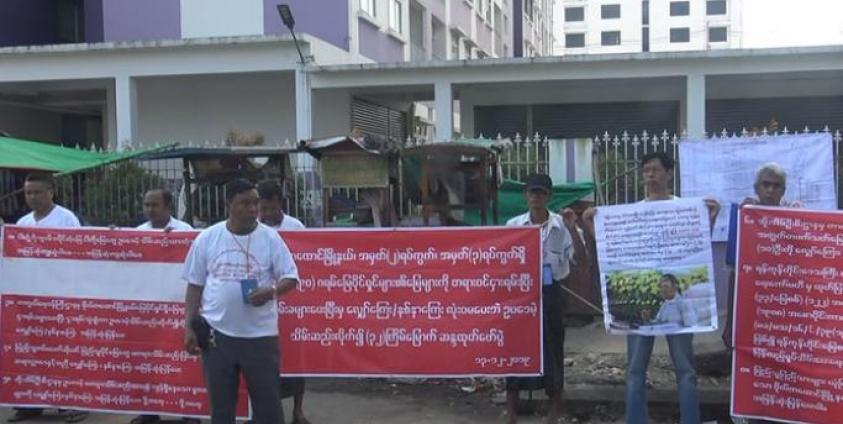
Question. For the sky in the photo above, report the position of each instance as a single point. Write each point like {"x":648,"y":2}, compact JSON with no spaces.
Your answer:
{"x":785,"y":23}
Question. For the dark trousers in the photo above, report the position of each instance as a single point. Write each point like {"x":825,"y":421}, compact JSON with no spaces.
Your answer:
{"x":259,"y":360}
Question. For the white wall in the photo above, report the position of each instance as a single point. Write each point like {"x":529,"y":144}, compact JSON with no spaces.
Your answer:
{"x":216,"y":18}
{"x":205,"y":107}
{"x":593,"y":26}
{"x":661,"y":22}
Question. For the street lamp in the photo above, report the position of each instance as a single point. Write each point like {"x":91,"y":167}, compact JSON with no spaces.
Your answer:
{"x":287,"y":18}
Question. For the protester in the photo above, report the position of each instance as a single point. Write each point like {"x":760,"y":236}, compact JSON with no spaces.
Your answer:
{"x":38,"y":191}
{"x":770,"y":187}
{"x":235,"y":270}
{"x":272,"y":214}
{"x":657,"y":172}
{"x":559,"y":250}
{"x":157,"y":207}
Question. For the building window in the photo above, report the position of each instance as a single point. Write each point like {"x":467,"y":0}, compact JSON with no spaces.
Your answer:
{"x":573,"y":41}
{"x":645,"y":12}
{"x":645,"y":39}
{"x":610,"y":38}
{"x":368,"y":6}
{"x":715,"y":7}
{"x":528,"y":8}
{"x":610,"y":11}
{"x":680,"y":8}
{"x":680,"y":35}
{"x":395,"y":15}
{"x":718,"y":35}
{"x":489,"y":11}
{"x":574,"y":14}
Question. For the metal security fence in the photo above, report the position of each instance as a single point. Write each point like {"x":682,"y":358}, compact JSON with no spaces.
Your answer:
{"x":617,"y":168}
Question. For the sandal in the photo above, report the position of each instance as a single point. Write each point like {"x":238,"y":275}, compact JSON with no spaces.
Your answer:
{"x":145,"y":419}
{"x":73,"y":416}
{"x":24,"y":414}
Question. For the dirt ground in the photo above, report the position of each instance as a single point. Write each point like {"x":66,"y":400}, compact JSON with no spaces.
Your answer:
{"x":594,"y":394}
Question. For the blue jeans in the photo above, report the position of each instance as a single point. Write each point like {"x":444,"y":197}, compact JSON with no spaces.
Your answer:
{"x":639,"y":349}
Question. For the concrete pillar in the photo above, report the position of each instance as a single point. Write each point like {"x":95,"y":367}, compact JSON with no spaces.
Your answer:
{"x":694,"y":110}
{"x":122,"y":112}
{"x":444,"y":104}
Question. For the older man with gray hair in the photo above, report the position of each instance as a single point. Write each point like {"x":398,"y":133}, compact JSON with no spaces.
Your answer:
{"x":770,"y":186}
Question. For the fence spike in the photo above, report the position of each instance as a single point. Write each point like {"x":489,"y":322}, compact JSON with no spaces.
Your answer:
{"x":764,"y":131}
{"x":785,"y":131}
{"x":517,"y":139}
{"x":481,"y":136}
{"x":499,"y":137}
{"x":744,"y":132}
{"x":826,"y":130}
{"x":684,"y":134}
{"x":806,"y":130}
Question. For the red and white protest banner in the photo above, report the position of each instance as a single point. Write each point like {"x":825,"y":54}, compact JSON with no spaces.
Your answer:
{"x":92,"y":319}
{"x":788,"y":326}
{"x":436,"y":302}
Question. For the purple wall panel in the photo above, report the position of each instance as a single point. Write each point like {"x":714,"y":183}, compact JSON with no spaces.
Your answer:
{"x":484,"y":36}
{"x":93,"y":21}
{"x":325,"y":19}
{"x":377,"y":45}
{"x":435,"y":7}
{"x":130,"y":20}
{"x":461,"y":15}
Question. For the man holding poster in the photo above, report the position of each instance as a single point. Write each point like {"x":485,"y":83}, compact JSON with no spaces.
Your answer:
{"x":655,"y":261}
{"x":559,"y":248}
{"x":235,"y":270}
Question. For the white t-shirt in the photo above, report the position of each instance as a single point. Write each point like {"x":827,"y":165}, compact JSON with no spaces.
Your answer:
{"x":218,"y":261}
{"x":557,"y":244}
{"x":59,"y":217}
{"x":289,"y":223}
{"x":174,"y":224}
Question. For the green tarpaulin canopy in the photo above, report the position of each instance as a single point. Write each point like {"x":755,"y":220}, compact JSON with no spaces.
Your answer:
{"x":34,"y":156}
{"x":511,"y":200}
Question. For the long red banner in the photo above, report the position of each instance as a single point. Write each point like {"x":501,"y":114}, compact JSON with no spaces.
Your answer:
{"x":788,"y":361}
{"x":92,"y":319}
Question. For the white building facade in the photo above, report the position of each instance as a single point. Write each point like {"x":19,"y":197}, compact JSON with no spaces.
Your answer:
{"x":632,"y":26}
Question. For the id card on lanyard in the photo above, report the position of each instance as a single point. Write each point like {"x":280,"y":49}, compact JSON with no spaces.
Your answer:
{"x":547,"y":275}
{"x":248,"y":284}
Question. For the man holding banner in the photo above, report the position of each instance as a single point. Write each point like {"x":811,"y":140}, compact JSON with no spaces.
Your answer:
{"x":559,"y":249}
{"x":770,"y":186}
{"x":235,"y":270}
{"x":38,"y":191}
{"x":657,"y":173}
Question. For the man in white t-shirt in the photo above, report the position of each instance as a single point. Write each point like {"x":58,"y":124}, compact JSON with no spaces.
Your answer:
{"x":157,"y":207}
{"x":271,"y":208}
{"x":235,"y":270}
{"x":271,"y":213}
{"x":38,"y":190}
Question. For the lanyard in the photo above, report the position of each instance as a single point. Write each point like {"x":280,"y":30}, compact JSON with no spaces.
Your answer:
{"x":245,"y":251}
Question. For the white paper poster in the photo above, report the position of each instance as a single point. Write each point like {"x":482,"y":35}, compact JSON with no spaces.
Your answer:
{"x":725,"y":169}
{"x":656,"y":268}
